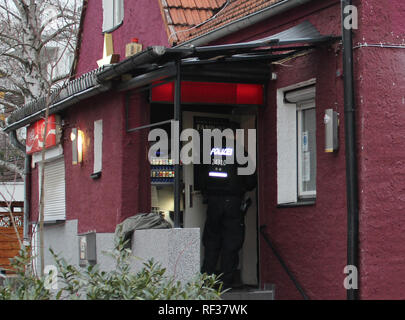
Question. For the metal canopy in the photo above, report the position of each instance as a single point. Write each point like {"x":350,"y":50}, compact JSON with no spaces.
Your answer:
{"x":241,"y":62}
{"x":304,"y":33}
{"x":237,"y":62}
{"x":245,"y":61}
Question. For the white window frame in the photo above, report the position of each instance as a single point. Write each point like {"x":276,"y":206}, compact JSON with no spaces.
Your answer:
{"x":301,"y":106}
{"x":287,"y":153}
{"x":50,"y":154}
{"x":113,"y":15}
{"x":98,"y":146}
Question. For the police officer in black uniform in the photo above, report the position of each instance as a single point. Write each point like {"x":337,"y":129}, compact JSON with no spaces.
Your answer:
{"x":224,"y":230}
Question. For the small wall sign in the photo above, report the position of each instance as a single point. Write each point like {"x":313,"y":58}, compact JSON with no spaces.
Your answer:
{"x":35,"y":135}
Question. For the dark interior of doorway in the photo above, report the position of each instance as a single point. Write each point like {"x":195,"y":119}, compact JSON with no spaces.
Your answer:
{"x":164,"y":112}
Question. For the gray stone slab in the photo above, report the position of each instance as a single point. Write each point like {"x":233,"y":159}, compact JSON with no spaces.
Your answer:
{"x":62,"y":238}
{"x":177,"y":250}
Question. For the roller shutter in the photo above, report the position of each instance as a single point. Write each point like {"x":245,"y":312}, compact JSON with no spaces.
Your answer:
{"x":55,"y":204}
{"x":300,"y":95}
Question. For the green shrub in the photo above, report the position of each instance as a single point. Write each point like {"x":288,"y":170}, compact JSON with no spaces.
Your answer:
{"x":24,"y":285}
{"x":91,"y":283}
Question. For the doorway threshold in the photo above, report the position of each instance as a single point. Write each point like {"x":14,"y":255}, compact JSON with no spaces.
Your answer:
{"x":247,"y":292}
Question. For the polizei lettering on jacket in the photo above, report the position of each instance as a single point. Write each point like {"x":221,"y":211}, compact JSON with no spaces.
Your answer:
{"x":222,"y":152}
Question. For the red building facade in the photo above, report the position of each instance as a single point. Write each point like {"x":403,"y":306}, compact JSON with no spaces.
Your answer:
{"x":309,"y":233}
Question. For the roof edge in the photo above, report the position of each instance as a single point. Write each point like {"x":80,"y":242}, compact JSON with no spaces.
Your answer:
{"x":75,"y":63}
{"x":59,"y":96}
{"x":241,"y":23}
{"x":58,"y":106}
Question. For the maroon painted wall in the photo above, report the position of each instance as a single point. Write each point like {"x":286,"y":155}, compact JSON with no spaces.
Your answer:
{"x":135,"y":168}
{"x":100,"y":204}
{"x":95,"y":203}
{"x":380,"y":83}
{"x":311,"y":239}
{"x":117,"y":194}
{"x":124,"y":155}
{"x":142,"y":20}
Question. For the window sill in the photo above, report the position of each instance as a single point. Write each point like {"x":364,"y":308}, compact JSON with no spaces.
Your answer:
{"x":53,"y":222}
{"x":299,"y":203}
{"x":113,"y":28}
{"x":96,"y":175}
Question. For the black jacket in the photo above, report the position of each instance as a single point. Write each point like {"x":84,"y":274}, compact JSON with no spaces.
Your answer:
{"x":223,"y":180}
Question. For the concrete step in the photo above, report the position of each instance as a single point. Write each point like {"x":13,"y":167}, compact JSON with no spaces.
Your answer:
{"x":248,"y":295}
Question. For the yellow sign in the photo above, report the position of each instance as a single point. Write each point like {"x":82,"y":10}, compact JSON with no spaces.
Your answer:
{"x":108,"y":52}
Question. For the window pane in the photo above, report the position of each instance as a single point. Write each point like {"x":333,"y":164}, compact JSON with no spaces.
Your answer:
{"x":108,"y":15}
{"x":118,"y":12}
{"x":98,"y":146}
{"x":308,"y":156}
{"x":113,"y":14}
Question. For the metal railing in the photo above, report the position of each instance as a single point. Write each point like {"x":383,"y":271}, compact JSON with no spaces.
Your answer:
{"x":281,"y":261}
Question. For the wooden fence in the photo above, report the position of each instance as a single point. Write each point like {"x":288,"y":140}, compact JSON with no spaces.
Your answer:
{"x":9,"y":245}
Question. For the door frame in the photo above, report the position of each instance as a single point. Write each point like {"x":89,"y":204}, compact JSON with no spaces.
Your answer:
{"x":188,"y":122}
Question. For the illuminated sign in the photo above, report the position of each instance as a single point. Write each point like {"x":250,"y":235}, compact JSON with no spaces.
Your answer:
{"x":222,"y":152}
{"x":211,"y":93}
{"x":218,"y":174}
{"x":35,"y":135}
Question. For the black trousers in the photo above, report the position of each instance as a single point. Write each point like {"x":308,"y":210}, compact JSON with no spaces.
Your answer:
{"x":223,"y":236}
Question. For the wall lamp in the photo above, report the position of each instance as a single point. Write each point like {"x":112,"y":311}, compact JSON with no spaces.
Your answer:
{"x":77,"y":138}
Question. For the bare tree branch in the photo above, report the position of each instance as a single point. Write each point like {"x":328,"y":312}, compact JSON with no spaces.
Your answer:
{"x":9,"y":12}
{"x":10,"y":105}
{"x":35,"y":37}
{"x":12,"y":167}
{"x":56,"y":34}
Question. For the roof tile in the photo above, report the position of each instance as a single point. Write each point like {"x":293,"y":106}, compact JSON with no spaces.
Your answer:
{"x":172,"y":3}
{"x":191,"y":18}
{"x":188,"y":4}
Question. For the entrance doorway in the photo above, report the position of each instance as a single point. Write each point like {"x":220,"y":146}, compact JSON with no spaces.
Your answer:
{"x":193,"y":210}
{"x":194,"y":214}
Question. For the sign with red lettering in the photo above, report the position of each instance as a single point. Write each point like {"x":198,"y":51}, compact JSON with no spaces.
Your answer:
{"x":35,"y":135}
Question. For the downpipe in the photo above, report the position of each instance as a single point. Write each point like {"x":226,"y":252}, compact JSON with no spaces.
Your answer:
{"x":27,"y":162}
{"x":350,"y":146}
